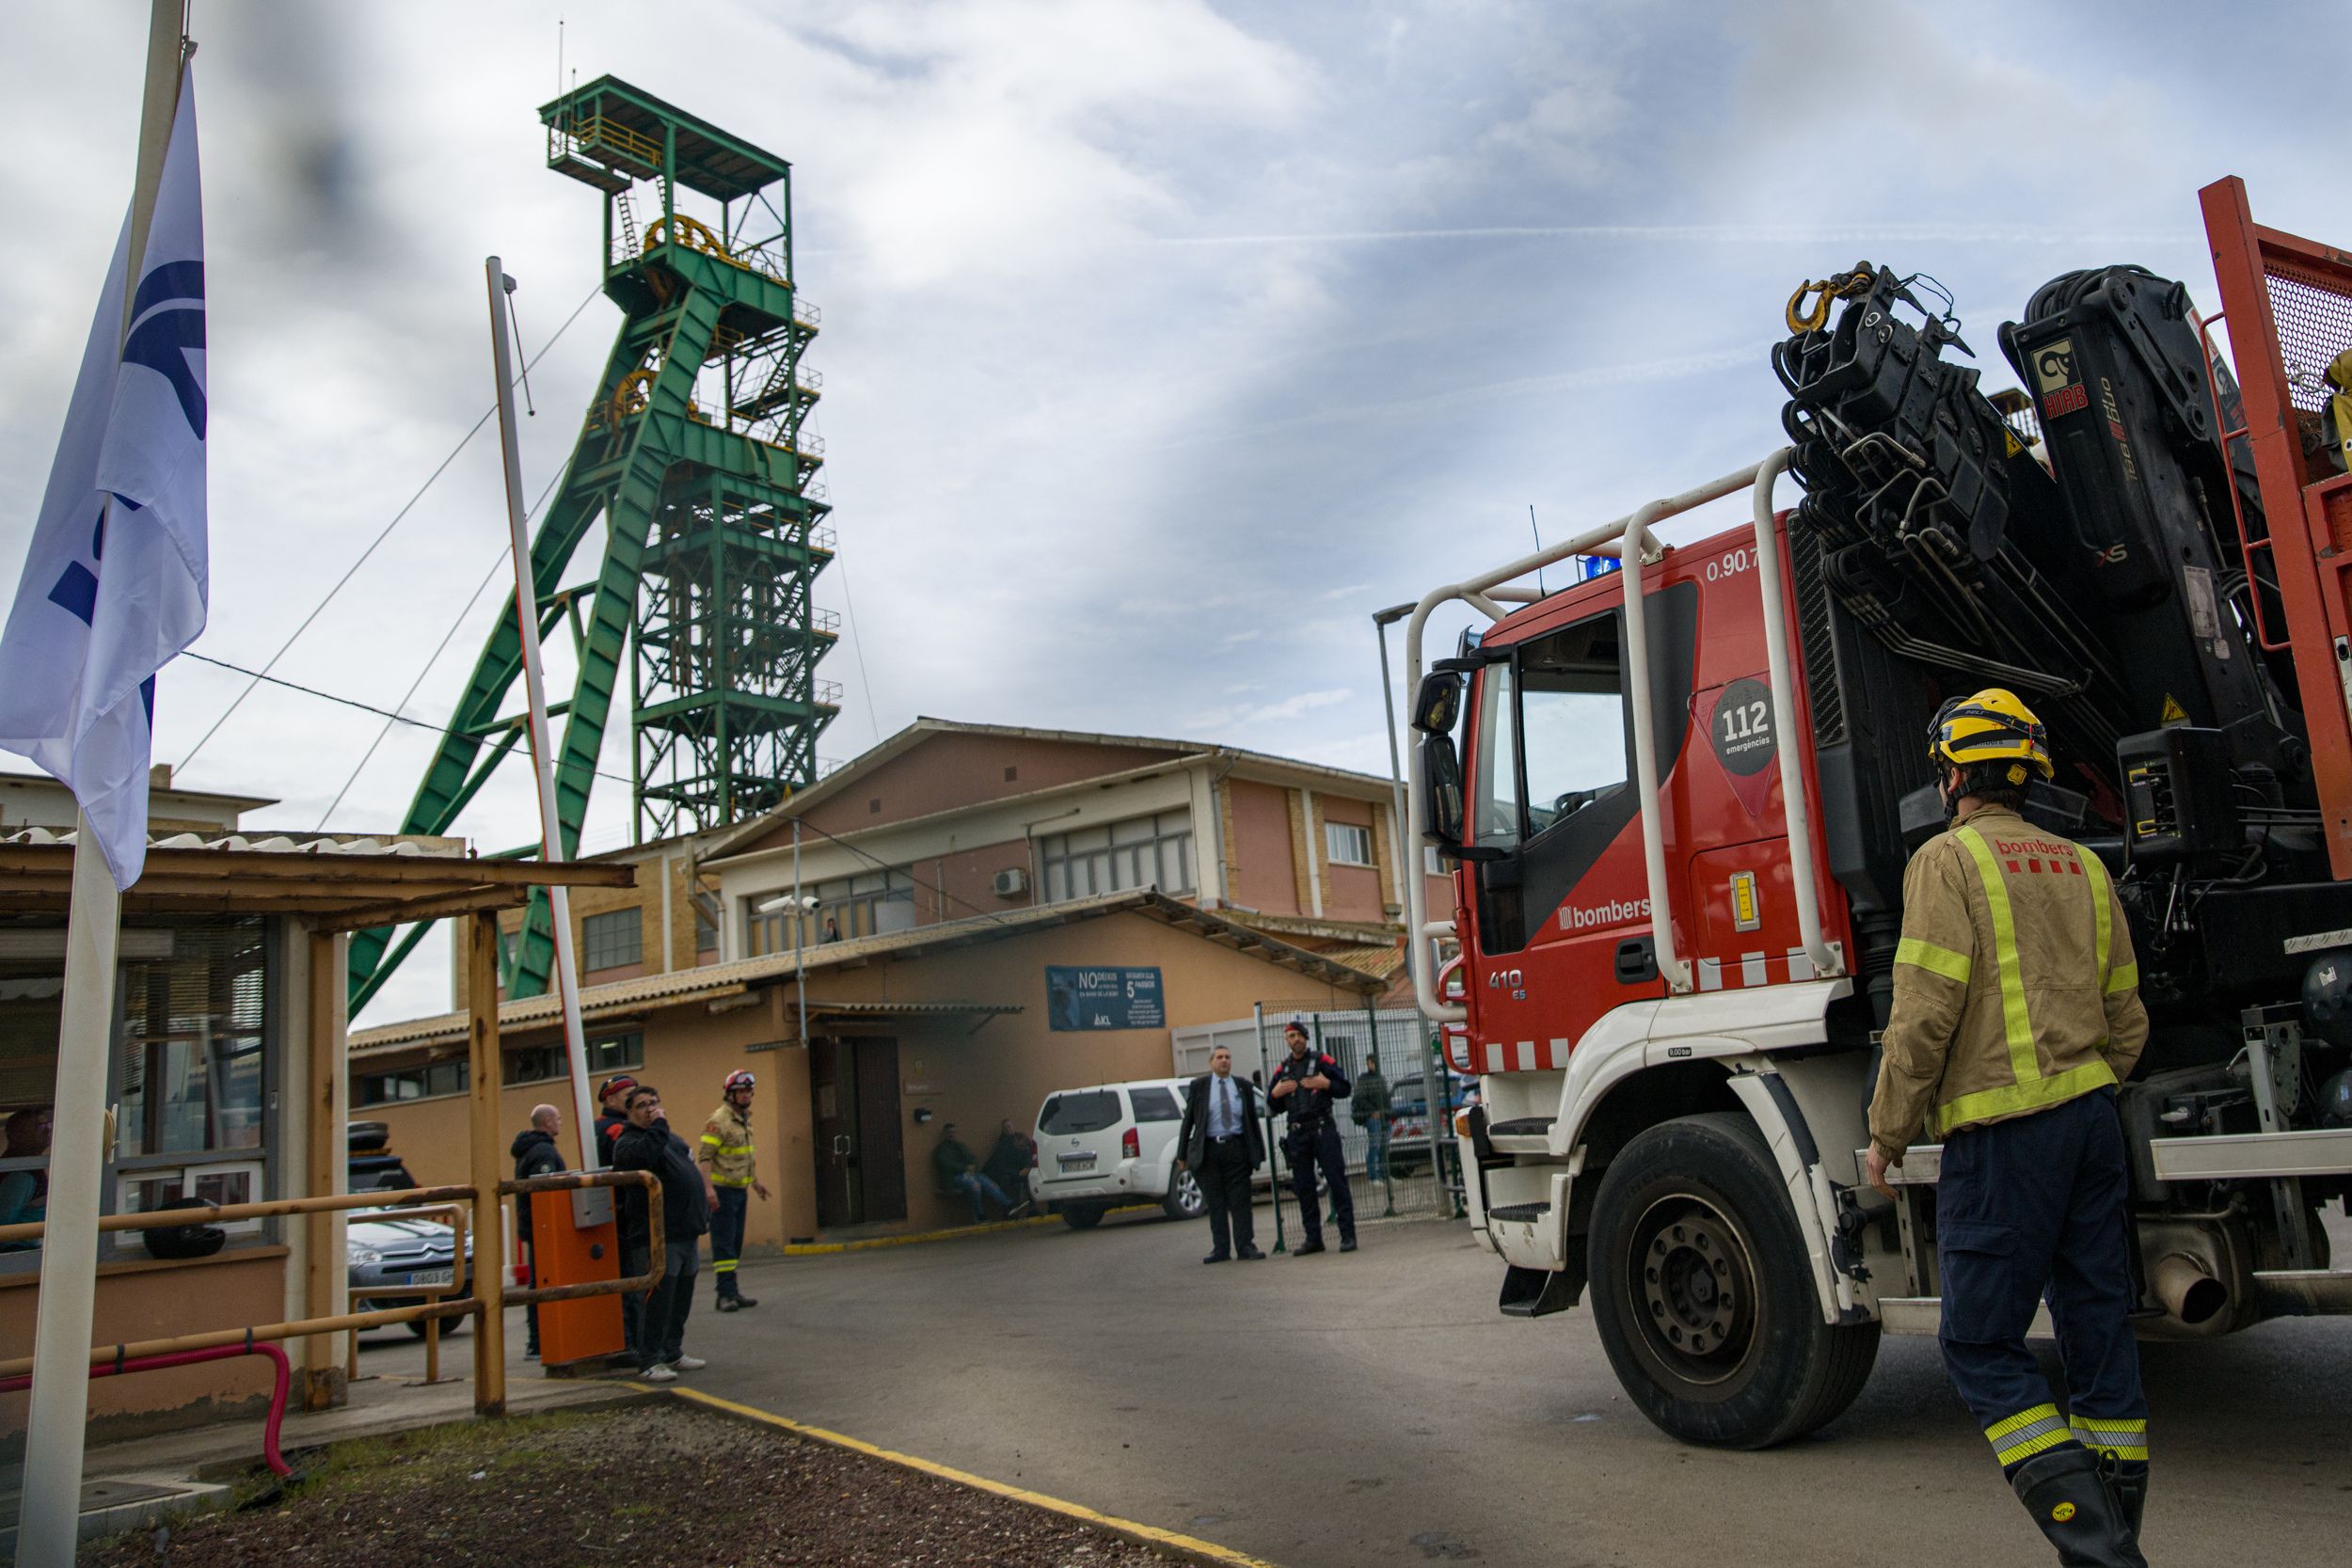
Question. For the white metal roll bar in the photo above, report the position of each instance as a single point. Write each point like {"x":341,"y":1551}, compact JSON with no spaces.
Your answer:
{"x":1629,"y":540}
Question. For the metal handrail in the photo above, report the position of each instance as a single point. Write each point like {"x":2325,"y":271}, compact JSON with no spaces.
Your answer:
{"x":299,"y":1328}
{"x":1631,"y":542}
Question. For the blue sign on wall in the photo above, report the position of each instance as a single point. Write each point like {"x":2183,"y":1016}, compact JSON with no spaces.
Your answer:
{"x":1077,"y":998}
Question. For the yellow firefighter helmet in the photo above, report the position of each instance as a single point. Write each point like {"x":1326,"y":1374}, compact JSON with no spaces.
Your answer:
{"x":1988,"y":728}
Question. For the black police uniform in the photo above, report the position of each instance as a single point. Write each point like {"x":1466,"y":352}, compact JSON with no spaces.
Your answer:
{"x":1312,"y":1141}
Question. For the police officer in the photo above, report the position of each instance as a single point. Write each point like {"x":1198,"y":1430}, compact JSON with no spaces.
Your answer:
{"x":2016,"y":1013}
{"x":726,"y":1157}
{"x":1304,"y":1087}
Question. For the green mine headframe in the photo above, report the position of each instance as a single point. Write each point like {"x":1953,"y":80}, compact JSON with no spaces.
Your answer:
{"x":693,"y":453}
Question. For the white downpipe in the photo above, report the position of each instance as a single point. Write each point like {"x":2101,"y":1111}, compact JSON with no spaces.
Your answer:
{"x":1795,"y":809}
{"x":542,"y":751}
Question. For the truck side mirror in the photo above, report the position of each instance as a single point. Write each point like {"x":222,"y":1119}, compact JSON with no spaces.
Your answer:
{"x":1438,"y":704}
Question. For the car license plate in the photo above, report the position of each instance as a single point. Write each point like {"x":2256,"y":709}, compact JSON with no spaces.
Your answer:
{"x":1078,"y":1162}
{"x":433,"y":1276}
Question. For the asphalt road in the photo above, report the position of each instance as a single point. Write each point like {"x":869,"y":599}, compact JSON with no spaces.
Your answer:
{"x":1336,"y":1411}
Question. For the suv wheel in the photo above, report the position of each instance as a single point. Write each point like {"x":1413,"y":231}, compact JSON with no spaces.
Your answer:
{"x":1184,"y":1199}
{"x":1082,"y":1216}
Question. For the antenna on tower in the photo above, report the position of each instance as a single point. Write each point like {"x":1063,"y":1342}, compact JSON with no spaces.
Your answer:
{"x":1539,"y":544}
{"x":559,"y":57}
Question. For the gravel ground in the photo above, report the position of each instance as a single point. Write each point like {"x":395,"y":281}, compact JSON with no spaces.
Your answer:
{"x":657,"y":1483}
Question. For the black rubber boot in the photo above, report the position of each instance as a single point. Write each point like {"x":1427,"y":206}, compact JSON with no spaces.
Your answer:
{"x":2070,"y":1499}
{"x":2129,"y":1482}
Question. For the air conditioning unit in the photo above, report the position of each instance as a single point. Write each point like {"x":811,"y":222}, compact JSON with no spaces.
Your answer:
{"x":1012,"y":883}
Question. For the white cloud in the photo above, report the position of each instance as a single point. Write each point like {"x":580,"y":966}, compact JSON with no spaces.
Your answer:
{"x":1164,"y":340}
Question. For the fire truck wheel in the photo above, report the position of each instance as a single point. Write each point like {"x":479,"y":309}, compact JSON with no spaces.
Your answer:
{"x":1703,"y":1297}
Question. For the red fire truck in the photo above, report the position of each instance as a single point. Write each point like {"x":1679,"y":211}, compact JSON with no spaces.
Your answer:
{"x":1679,"y":797}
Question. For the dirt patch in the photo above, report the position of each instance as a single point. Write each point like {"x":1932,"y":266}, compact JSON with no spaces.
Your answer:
{"x":657,"y":1483}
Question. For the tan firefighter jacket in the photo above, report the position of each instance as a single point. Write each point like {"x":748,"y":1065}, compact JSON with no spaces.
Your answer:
{"x":726,"y":1146}
{"x":2015,"y":986}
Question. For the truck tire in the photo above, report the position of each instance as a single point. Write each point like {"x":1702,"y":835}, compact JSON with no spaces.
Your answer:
{"x":1082,"y":1216}
{"x":1704,"y":1297}
{"x":1184,"y":1200}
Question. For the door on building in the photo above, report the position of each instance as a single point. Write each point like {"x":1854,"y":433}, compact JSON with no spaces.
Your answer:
{"x":861,"y":1162}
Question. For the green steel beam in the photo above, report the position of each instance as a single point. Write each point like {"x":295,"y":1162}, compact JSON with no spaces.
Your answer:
{"x":684,"y":313}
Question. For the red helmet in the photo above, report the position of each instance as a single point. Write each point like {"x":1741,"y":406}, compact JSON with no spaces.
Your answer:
{"x":740,"y":1081}
{"x":612,"y":1085}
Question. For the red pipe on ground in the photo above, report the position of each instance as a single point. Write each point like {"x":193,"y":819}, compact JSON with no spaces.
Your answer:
{"x":275,"y":1460}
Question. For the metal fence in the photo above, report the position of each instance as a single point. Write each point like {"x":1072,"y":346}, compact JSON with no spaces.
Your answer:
{"x":1414,"y":1168}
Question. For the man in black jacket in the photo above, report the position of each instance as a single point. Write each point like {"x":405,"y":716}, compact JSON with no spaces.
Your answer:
{"x":688,"y":1200}
{"x":1220,"y":1143}
{"x":1306,"y":1086}
{"x":613,"y":1096}
{"x":536,"y":1154}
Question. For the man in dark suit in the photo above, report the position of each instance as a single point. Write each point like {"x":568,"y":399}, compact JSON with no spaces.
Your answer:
{"x":1220,"y":1143}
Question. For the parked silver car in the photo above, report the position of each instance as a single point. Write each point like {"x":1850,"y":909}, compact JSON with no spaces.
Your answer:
{"x":385,"y":1247}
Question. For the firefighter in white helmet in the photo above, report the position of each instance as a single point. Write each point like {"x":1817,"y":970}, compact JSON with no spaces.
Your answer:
{"x":726,"y":1157}
{"x":2016,"y":1013}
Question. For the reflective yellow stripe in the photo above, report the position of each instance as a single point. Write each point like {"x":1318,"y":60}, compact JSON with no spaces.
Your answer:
{"x":2032,"y":1095}
{"x":2123,"y":978}
{"x":2014,"y":1021}
{"x":2023,"y":1419}
{"x":2124,"y":1437}
{"x":709,"y":1139}
{"x":1934,"y":960}
{"x":729,"y":1148}
{"x":717,"y":1180}
{"x":2095,"y":873}
{"x":2026,"y":1433}
{"x":723,"y":1265}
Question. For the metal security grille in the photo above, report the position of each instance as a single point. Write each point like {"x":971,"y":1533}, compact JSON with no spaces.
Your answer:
{"x":2315,"y":321}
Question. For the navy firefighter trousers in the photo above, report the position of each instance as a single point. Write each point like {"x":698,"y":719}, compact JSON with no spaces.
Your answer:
{"x":2034,"y":1209}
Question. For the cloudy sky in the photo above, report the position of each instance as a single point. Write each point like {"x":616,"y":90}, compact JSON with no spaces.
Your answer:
{"x":1164,"y":340}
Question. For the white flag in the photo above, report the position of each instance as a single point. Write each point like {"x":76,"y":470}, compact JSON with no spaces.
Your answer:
{"x":116,"y":581}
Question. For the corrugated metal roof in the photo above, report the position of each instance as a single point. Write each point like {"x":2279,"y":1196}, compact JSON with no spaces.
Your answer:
{"x":271,"y":844}
{"x":712,"y":981}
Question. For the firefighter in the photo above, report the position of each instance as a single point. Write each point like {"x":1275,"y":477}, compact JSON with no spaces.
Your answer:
{"x":2016,"y":1012}
{"x":727,"y":1158}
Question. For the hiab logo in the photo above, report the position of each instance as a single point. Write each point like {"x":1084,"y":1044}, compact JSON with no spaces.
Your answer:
{"x":1614,"y":912}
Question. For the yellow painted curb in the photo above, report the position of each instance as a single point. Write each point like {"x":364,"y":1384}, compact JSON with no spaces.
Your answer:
{"x":1189,"y":1546}
{"x":957,"y":1233}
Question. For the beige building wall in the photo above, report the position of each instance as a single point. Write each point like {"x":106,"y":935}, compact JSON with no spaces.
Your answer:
{"x":962,"y":1070}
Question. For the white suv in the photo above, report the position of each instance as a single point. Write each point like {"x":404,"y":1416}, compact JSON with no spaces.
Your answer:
{"x":1115,"y":1144}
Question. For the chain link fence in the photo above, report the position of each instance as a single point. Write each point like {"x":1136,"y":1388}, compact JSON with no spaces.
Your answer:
{"x":1401,"y":1160}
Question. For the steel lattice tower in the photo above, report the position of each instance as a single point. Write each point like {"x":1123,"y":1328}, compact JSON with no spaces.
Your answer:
{"x":693,"y":453}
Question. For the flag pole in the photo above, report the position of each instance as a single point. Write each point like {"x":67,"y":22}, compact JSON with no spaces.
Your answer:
{"x":534,"y":687}
{"x":58,"y":1416}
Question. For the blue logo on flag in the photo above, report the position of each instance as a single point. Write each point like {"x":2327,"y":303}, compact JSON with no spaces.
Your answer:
{"x":166,"y":321}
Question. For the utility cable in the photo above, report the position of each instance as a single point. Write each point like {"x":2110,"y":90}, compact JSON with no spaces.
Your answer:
{"x":321,"y":609}
{"x":857,"y":645}
{"x":391,"y":717}
{"x":495,"y":562}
